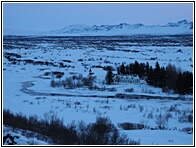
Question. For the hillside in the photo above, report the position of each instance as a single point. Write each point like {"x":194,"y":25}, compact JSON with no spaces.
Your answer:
{"x":180,"y":27}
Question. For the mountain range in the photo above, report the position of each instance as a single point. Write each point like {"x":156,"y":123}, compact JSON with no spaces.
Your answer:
{"x":180,"y":27}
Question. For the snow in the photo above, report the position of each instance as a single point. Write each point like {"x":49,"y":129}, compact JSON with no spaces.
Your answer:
{"x":161,"y":137}
{"x":20,"y":139}
{"x":27,"y":90}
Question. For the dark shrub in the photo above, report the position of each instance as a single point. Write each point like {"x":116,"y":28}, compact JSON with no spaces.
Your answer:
{"x":131,"y":126}
{"x":102,"y":132}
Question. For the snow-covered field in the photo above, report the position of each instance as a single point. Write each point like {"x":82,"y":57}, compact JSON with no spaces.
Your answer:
{"x":26,"y":86}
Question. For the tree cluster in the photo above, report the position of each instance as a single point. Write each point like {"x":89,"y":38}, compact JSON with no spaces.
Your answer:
{"x":102,"y":132}
{"x":169,"y":78}
{"x":75,"y":81}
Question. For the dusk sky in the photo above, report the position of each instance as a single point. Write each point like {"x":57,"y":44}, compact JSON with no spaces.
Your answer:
{"x":54,"y":16}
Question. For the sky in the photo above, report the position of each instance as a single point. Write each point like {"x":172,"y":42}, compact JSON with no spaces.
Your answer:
{"x":54,"y":16}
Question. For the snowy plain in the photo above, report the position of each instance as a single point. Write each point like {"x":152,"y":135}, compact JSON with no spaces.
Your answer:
{"x":27,"y":89}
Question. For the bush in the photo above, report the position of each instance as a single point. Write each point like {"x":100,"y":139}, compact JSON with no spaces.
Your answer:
{"x":185,"y":117}
{"x":78,"y":81}
{"x":188,"y":130}
{"x":131,"y":126}
{"x":113,"y":89}
{"x":168,"y":115}
{"x":190,"y":118}
{"x":52,"y":83}
{"x":173,"y":108}
{"x":102,"y":132}
{"x":161,"y":121}
{"x":129,"y":90}
{"x":150,"y":115}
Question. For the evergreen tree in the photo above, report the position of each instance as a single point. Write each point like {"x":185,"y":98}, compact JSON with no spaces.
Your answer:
{"x":118,"y":70}
{"x":131,"y":68}
{"x":184,"y":83}
{"x":189,"y":82}
{"x":171,"y":75}
{"x":179,"y":84}
{"x":157,"y":74}
{"x":150,"y":76}
{"x":147,"y":68}
{"x":122,"y":69}
{"x":136,"y":68}
{"x":127,"y":72}
{"x":109,"y":76}
{"x":142,"y":70}
{"x":162,"y":77}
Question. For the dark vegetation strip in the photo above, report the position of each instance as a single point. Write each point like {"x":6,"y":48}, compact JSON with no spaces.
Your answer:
{"x":102,"y":132}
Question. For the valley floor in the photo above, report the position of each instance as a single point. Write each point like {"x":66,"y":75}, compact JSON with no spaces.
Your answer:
{"x":29,"y":95}
{"x":27,"y":90}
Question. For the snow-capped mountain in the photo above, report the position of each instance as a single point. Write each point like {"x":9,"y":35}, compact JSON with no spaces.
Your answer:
{"x":183,"y":23}
{"x":180,"y":27}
